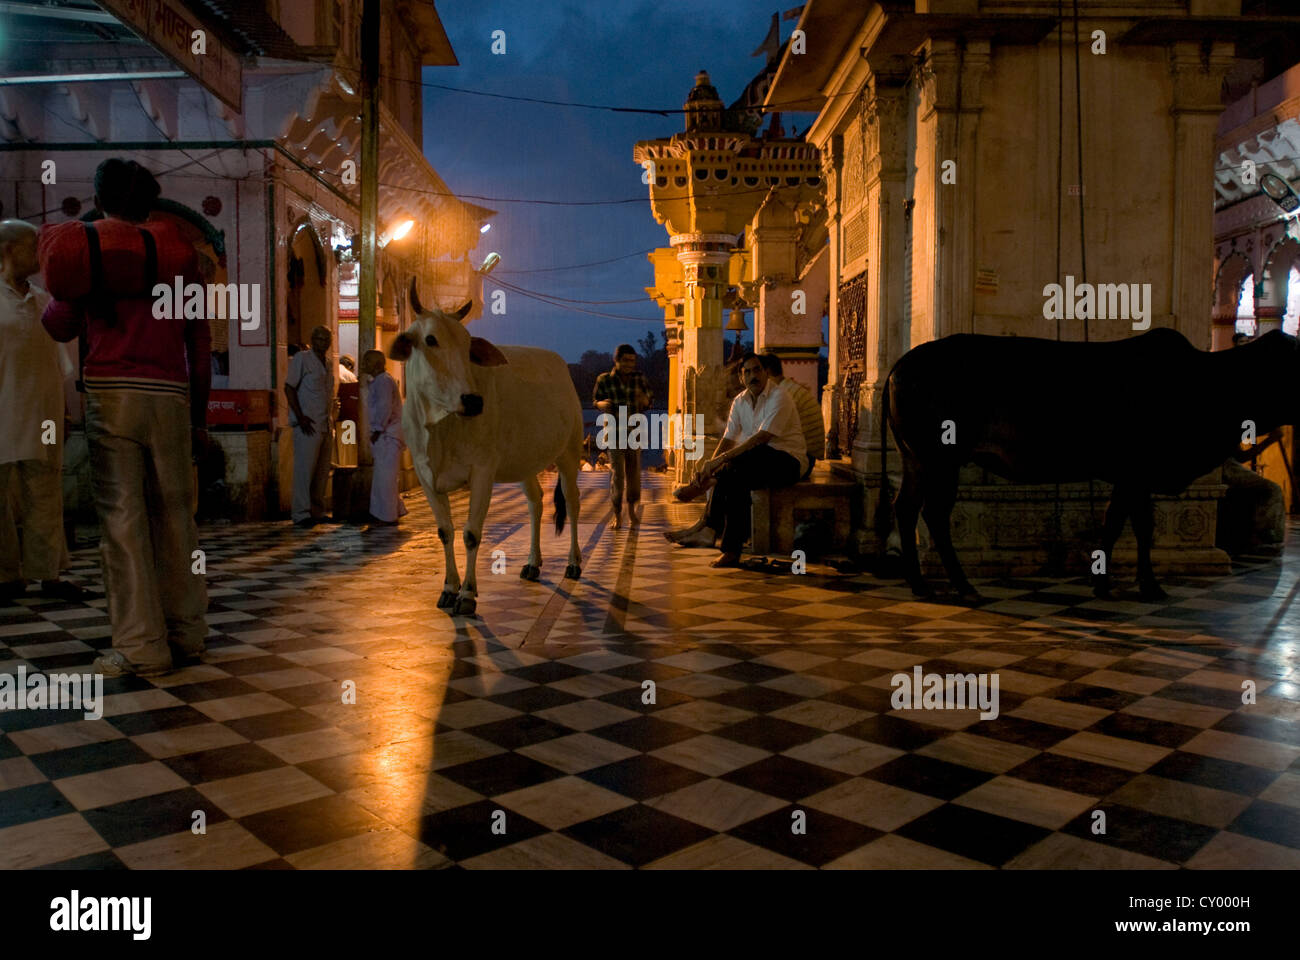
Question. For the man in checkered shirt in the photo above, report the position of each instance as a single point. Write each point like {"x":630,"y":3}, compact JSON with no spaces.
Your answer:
{"x":623,"y":386}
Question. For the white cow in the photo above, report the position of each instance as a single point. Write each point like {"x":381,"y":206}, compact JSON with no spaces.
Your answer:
{"x":477,"y":414}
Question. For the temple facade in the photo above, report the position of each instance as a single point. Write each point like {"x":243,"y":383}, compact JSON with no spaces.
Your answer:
{"x":741,"y":209}
{"x":256,"y":145}
{"x":973,"y":154}
{"x":1257,"y":243}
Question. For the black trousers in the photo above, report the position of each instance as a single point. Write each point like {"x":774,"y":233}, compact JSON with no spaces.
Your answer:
{"x":757,"y":469}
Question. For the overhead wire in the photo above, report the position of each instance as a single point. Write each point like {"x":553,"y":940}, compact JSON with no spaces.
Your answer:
{"x":551,"y":301}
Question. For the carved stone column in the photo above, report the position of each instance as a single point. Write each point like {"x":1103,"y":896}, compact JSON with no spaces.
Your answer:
{"x":1198,"y":79}
{"x":948,"y":119}
{"x":885,"y":149}
{"x":832,"y":163}
{"x":704,"y":258}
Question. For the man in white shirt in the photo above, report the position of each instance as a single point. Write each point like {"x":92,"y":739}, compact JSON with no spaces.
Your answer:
{"x":309,"y":388}
{"x":31,"y":426}
{"x":761,"y":448}
{"x":809,"y":410}
{"x":384,"y":415}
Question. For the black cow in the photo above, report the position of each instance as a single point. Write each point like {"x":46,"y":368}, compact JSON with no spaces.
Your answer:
{"x":1148,"y":414}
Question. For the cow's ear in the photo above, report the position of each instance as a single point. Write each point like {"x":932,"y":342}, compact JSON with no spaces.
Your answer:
{"x":415,"y":300}
{"x":464,"y":311}
{"x":485,"y":353}
{"x":400,"y":349}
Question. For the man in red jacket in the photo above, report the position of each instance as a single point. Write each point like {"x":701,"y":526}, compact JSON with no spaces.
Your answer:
{"x":146,"y":383}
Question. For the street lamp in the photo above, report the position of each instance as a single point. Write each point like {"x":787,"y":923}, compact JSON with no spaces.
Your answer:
{"x":1280,"y":192}
{"x":396,"y":233}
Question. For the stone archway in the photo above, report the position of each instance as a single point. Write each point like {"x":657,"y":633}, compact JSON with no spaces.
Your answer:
{"x":307,"y":291}
{"x":1272,"y":288}
{"x":1235,"y":270}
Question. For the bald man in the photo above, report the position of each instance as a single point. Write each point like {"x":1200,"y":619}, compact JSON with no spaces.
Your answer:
{"x":31,"y":426}
{"x":309,"y":388}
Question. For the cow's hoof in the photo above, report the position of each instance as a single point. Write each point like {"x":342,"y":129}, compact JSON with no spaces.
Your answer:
{"x":1151,"y":593}
{"x":967,"y":593}
{"x":922,"y":589}
{"x":465,"y":606}
{"x":447,"y":599}
{"x":530,"y":572}
{"x":572,"y":572}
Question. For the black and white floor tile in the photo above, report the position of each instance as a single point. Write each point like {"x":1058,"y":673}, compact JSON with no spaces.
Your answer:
{"x":520,"y":738}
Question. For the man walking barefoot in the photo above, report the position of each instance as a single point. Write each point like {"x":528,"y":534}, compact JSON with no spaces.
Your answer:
{"x":623,"y":387}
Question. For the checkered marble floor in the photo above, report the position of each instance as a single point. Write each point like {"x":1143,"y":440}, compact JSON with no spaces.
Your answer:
{"x":521,"y":738}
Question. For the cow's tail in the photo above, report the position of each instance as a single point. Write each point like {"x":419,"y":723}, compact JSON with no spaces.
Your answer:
{"x":884,"y":507}
{"x":561,"y":509}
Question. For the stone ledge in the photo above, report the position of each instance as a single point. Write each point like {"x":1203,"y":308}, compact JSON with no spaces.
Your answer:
{"x":1006,"y":529}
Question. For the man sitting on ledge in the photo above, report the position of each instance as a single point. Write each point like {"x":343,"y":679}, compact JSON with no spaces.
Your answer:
{"x":762,"y":448}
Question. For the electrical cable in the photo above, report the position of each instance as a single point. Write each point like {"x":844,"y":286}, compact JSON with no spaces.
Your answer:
{"x":582,"y":266}
{"x":543,"y":298}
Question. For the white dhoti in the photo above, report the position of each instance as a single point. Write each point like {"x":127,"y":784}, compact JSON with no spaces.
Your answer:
{"x":311,"y":471}
{"x":384,"y":414}
{"x":31,"y":439}
{"x":38,"y":508}
{"x":385,"y":501}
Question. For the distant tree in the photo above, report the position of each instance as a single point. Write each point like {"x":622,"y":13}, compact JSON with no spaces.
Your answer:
{"x":654,"y":366}
{"x":590,"y":365}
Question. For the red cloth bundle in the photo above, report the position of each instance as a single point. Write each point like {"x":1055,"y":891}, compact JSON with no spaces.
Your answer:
{"x":111,"y":257}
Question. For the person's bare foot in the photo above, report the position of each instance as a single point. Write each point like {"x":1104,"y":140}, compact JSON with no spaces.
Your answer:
{"x":634,"y":514}
{"x":617,"y":523}
{"x":697,"y":487}
{"x":726,"y":560}
{"x":677,"y":536}
{"x":701,"y":538}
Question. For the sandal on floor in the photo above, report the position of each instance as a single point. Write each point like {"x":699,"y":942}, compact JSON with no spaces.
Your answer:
{"x":63,"y":590}
{"x":112,"y":663}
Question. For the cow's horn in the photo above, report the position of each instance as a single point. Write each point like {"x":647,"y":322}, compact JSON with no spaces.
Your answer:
{"x":415,"y":299}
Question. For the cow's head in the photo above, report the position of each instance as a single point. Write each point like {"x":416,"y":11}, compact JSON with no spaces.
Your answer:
{"x":441,"y":341}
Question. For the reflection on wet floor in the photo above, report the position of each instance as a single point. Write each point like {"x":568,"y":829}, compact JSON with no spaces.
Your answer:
{"x":523,"y":738}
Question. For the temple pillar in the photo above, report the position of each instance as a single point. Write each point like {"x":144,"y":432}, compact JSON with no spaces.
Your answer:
{"x":1223,"y":324}
{"x":1198,"y":78}
{"x":789,"y":308}
{"x":704,"y":258}
{"x":832,"y":158}
{"x":885,"y":141}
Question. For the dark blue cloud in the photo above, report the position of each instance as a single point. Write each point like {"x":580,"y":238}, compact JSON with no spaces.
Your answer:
{"x":625,"y":54}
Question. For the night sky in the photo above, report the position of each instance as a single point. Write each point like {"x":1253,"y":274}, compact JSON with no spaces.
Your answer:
{"x":625,"y":53}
